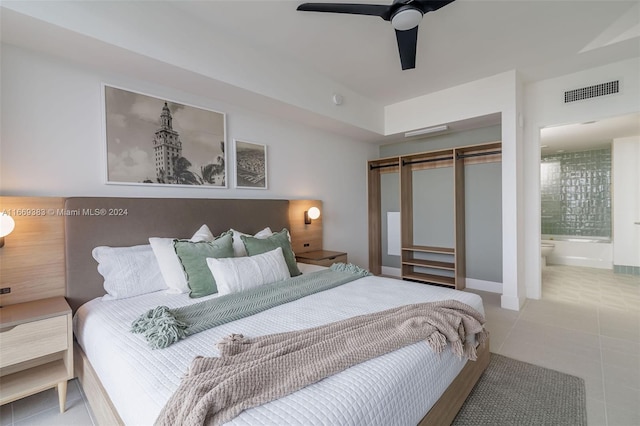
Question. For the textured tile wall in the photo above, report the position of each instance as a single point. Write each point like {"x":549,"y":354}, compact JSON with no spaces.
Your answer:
{"x":576,"y":193}
{"x":625,"y":269}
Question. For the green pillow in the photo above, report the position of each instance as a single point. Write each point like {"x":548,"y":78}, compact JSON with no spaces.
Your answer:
{"x":279,"y":239}
{"x":193,"y":257}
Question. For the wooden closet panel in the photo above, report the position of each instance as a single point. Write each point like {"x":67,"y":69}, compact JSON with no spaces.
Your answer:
{"x":459,"y":229}
{"x":32,"y":260}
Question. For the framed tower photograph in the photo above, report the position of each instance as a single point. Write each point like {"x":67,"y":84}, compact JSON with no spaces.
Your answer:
{"x":251,"y":165}
{"x":155,"y":141}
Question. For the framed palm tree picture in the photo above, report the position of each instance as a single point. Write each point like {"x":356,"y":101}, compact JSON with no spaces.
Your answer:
{"x":251,"y":165}
{"x":156,"y":141}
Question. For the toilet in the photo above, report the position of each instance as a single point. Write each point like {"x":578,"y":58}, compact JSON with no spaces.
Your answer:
{"x":546,"y":247}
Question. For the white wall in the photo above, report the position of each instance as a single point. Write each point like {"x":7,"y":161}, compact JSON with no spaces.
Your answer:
{"x":500,"y":93}
{"x":544,"y":106}
{"x":626,"y":201}
{"x":136,"y":28}
{"x":52,"y":144}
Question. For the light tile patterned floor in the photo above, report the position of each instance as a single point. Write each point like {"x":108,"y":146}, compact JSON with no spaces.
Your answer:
{"x":586,"y":324}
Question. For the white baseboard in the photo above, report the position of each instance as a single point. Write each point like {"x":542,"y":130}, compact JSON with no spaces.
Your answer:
{"x":394,"y":272}
{"x":489,"y":286}
{"x":511,"y":302}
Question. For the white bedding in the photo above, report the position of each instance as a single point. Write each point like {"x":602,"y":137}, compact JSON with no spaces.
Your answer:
{"x":397,"y":388}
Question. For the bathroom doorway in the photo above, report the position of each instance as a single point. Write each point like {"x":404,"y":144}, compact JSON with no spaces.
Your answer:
{"x":577,"y":194}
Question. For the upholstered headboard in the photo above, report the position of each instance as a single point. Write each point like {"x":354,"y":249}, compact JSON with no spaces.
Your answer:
{"x":117,"y":222}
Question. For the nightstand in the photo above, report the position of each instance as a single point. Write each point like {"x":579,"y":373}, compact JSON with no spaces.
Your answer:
{"x":322,"y":257}
{"x":36,"y":349}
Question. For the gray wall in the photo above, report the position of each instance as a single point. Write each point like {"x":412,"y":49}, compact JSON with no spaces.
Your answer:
{"x":433,"y":216}
{"x":433,"y":199}
{"x":483,"y":221}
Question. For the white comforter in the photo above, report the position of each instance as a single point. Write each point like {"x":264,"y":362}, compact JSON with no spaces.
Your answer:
{"x":395,"y":389}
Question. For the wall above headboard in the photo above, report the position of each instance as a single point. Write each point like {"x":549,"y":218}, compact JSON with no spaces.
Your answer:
{"x":32,"y":262}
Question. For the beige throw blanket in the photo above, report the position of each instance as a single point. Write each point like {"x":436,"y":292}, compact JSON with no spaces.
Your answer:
{"x":254,"y":371}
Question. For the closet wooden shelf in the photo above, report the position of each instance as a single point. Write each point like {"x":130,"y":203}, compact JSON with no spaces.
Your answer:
{"x":427,"y":249}
{"x":436,"y":279}
{"x":430,"y":264}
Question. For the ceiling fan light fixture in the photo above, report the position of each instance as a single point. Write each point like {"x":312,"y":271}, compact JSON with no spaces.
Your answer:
{"x":406,"y":18}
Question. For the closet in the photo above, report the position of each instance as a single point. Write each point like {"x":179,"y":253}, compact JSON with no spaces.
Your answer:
{"x":432,"y":211}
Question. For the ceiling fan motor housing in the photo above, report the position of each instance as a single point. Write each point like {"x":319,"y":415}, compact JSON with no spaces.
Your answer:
{"x":406,"y":18}
{"x":404,"y":15}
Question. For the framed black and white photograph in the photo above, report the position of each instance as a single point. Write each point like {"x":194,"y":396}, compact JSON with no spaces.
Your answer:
{"x":251,"y":165}
{"x":156,"y":141}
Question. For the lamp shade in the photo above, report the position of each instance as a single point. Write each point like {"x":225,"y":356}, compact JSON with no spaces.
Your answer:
{"x":313,"y":213}
{"x":6,"y":224}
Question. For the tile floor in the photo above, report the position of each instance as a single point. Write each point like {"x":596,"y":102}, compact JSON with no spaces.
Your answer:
{"x":586,"y":324}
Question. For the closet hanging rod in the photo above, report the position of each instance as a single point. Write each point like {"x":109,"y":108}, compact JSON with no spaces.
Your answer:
{"x":381,"y":166}
{"x":478,"y":154}
{"x":432,"y":160}
{"x":429,"y":160}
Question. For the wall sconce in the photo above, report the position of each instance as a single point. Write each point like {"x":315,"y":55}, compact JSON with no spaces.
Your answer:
{"x":312,"y":214}
{"x":6,"y":226}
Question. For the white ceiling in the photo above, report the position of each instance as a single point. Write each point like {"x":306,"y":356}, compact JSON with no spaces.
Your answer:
{"x":590,"y":135}
{"x":465,"y":41}
{"x":461,"y":42}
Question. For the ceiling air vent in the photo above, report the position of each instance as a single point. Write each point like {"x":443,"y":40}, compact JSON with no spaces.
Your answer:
{"x":592,"y":91}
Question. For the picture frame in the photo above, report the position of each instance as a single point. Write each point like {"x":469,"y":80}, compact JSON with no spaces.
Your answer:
{"x":156,"y":141}
{"x":251,"y":165}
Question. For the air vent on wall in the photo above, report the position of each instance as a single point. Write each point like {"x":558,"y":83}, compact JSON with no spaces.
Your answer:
{"x":592,"y":91}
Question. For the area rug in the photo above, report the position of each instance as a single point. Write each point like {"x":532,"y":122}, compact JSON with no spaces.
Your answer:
{"x":515,"y":393}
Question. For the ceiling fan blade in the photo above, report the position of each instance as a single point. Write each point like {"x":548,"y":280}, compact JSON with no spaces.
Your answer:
{"x":380,"y":10}
{"x":407,"y":43}
{"x":429,"y":5}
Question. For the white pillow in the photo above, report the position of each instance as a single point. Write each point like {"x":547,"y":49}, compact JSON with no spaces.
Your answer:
{"x":168,"y":260}
{"x":202,"y":234}
{"x":238,"y":245}
{"x":128,"y":271}
{"x":234,"y":274}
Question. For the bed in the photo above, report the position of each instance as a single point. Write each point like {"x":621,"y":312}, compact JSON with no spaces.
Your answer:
{"x":409,"y":386}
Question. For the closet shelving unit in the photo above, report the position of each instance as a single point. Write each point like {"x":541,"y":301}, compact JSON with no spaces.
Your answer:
{"x":435,"y":265}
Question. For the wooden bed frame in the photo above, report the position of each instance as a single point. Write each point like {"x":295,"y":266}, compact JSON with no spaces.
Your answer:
{"x":180,"y":218}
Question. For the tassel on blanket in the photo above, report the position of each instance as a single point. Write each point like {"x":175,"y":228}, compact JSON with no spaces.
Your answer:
{"x":470,"y":351}
{"x":482,"y":336}
{"x":159,"y":327}
{"x":350,"y":267}
{"x":437,"y":341}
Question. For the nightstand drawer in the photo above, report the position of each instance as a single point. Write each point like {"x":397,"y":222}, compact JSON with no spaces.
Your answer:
{"x":32,"y":340}
{"x":328,"y":261}
{"x":322,"y":257}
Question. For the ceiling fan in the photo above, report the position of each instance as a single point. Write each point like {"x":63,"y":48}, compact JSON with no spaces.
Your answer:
{"x":404,"y":15}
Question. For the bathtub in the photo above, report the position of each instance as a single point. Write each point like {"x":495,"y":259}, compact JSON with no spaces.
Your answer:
{"x":592,"y":252}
